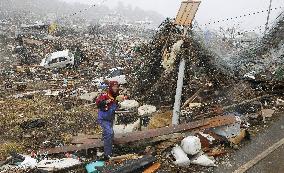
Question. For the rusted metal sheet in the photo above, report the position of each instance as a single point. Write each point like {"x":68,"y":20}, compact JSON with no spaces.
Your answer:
{"x":149,"y":134}
{"x":187,"y":12}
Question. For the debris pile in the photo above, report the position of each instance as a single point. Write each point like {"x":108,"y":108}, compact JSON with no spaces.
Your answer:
{"x":48,"y":112}
{"x":152,"y":78}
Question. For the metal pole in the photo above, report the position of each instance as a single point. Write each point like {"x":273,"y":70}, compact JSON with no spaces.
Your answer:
{"x":176,"y":112}
{"x":268,"y":15}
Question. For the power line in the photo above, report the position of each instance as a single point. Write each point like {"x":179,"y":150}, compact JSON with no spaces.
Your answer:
{"x":83,"y":10}
{"x":242,"y":16}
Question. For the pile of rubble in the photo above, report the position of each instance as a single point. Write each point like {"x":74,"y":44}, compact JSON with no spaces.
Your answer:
{"x":156,"y":85}
{"x":49,"y":114}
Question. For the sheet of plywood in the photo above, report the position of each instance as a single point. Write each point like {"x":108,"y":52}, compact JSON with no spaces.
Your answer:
{"x":187,"y":12}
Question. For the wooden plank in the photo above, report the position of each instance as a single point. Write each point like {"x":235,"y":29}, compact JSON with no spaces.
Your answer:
{"x":180,"y":14}
{"x":149,"y":134}
{"x":153,"y":168}
{"x":259,"y":157}
{"x":187,"y":12}
{"x":191,"y":15}
{"x":192,"y":97}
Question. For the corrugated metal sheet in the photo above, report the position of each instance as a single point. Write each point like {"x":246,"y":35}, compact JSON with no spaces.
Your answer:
{"x":187,"y":12}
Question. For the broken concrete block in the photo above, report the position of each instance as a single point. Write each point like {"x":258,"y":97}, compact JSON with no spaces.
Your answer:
{"x":180,"y":156}
{"x":146,"y":110}
{"x":191,"y":145}
{"x":129,"y":104}
{"x":203,"y":160}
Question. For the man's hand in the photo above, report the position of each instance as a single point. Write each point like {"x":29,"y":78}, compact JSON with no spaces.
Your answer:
{"x":108,"y":101}
{"x":120,"y":98}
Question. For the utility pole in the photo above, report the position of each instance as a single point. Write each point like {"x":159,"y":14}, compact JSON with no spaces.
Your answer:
{"x":184,"y":18}
{"x":268,"y":16}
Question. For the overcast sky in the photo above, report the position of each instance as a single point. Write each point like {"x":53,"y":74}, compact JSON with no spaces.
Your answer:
{"x":209,"y":10}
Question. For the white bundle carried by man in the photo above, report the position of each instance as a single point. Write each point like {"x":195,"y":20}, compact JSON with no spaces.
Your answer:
{"x":146,"y":110}
{"x":129,"y":104}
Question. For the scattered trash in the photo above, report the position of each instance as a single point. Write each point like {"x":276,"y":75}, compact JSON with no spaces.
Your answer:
{"x":229,"y":131}
{"x":38,"y":123}
{"x":160,"y":120}
{"x":51,"y":73}
{"x":217,"y":152}
{"x":279,"y":102}
{"x":130,"y":165}
{"x":58,"y":164}
{"x":51,"y":93}
{"x":244,"y":134}
{"x":29,"y":162}
{"x":170,"y":58}
{"x":181,"y":158}
{"x":91,"y":167}
{"x":250,"y":75}
{"x":125,"y":157}
{"x":89,"y":96}
{"x":203,"y":160}
{"x":194,"y":105}
{"x":146,"y":110}
{"x":267,"y":113}
{"x":129,"y":104}
{"x":127,"y":128}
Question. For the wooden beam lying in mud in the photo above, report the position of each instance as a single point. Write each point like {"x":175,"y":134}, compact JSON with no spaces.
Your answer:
{"x":147,"y":134}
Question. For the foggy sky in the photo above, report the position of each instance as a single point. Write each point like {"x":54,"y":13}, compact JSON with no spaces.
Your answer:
{"x":209,"y":10}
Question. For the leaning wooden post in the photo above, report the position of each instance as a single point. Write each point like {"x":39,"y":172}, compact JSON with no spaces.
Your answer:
{"x":184,"y":18}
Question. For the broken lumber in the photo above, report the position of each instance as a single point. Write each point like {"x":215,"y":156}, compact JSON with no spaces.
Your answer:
{"x":148,"y":134}
{"x":153,"y":168}
{"x":124,"y":157}
{"x":192,"y":98}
